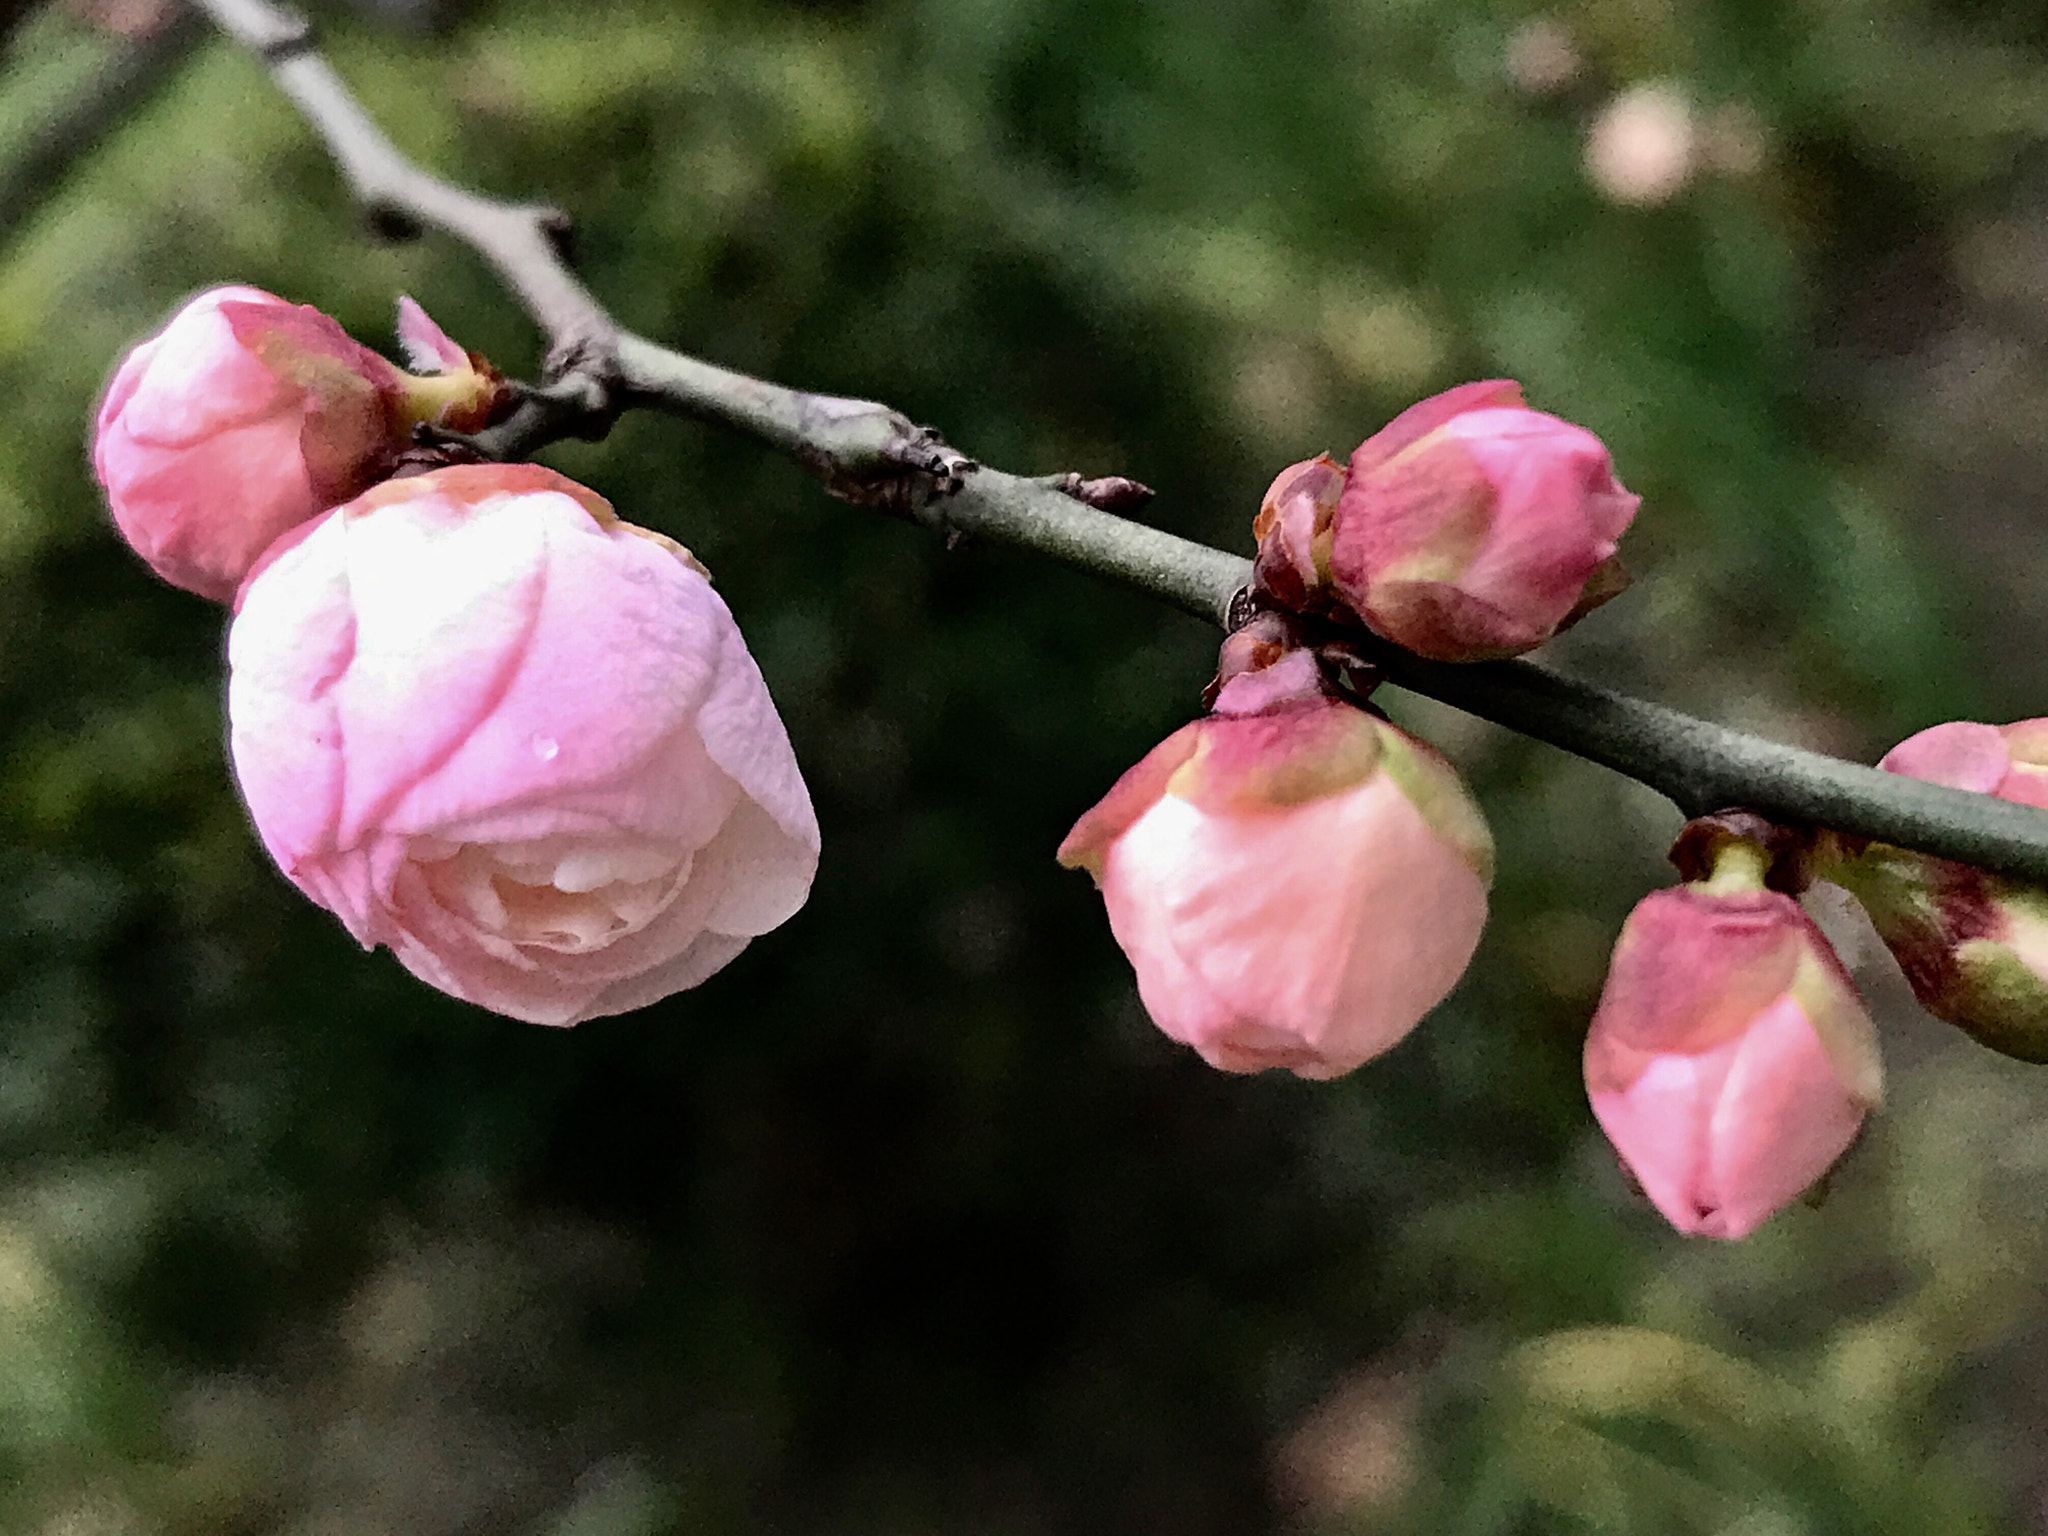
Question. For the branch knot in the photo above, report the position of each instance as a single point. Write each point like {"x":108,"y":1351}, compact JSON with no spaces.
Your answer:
{"x":867,"y":454}
{"x":278,"y":36}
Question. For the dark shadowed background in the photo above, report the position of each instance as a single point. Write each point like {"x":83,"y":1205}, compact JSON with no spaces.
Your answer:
{"x":908,"y":1222}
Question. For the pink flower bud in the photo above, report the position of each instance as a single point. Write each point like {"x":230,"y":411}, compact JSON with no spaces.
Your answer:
{"x":245,"y":416}
{"x":1973,"y":944}
{"x":1730,"y":1061}
{"x":518,"y":741}
{"x":1293,"y":530}
{"x":1472,"y":527}
{"x":1295,"y":881}
{"x":2009,"y":761}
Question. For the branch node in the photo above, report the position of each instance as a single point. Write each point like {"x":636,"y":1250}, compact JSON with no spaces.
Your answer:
{"x":871,"y":456}
{"x":924,"y":453}
{"x":576,"y":405}
{"x":284,"y":36}
{"x":1106,"y":493}
{"x":434,"y":448}
{"x":1241,"y":610}
{"x":583,"y":367}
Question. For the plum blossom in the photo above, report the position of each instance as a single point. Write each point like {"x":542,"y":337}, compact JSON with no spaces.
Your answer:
{"x":1295,"y":881}
{"x":1468,"y":528}
{"x":1730,"y":1060}
{"x":246,"y":415}
{"x":518,"y":741}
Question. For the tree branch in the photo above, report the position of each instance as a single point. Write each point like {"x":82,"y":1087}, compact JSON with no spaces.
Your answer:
{"x":865,"y":452}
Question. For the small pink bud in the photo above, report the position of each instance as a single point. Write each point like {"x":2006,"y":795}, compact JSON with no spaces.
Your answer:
{"x":1293,"y":530}
{"x":1730,"y":1060}
{"x":1472,"y":527}
{"x":241,"y":418}
{"x":518,"y":741}
{"x":245,"y":416}
{"x":1295,"y":881}
{"x":1973,"y":944}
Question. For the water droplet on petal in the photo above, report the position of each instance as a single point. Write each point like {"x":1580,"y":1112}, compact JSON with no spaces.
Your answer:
{"x":639,"y":573}
{"x":545,"y":748}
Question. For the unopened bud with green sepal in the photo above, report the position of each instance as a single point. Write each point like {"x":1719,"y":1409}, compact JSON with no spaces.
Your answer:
{"x":1973,"y":944}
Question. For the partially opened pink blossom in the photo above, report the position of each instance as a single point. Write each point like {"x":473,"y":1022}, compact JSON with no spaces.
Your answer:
{"x":245,"y":416}
{"x":1471,"y":527}
{"x":1295,"y":881}
{"x":518,"y":741}
{"x":1730,"y":1061}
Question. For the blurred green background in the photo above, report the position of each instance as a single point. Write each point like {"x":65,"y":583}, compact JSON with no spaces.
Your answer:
{"x":908,"y":1222}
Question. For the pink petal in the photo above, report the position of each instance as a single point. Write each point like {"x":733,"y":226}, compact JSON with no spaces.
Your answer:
{"x":244,"y":417}
{"x":1660,"y":1125}
{"x":1556,"y":505}
{"x":516,"y":741}
{"x":1961,"y":754}
{"x":428,"y":348}
{"x":1691,"y":970}
{"x":744,"y":735}
{"x":1783,"y":1119}
{"x":1134,"y":793}
{"x":200,"y":377}
{"x":707,"y":954}
{"x":1138,"y":869}
{"x":765,"y":871}
{"x":1425,"y":416}
{"x":1432,"y":506}
{"x":1337,"y":923}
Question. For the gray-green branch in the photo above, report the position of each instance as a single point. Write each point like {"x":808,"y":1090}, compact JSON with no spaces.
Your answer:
{"x":866,"y":453}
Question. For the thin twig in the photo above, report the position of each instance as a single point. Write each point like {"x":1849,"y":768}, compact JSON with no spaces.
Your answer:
{"x":865,"y":452}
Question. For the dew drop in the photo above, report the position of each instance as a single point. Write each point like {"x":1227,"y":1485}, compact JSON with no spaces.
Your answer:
{"x":545,"y":748}
{"x":640,"y":573}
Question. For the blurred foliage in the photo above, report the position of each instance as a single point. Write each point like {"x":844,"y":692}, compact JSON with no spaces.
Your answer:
{"x":908,"y":1221}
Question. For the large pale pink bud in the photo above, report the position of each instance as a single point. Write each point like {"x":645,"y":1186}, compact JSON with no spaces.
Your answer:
{"x":1730,"y":1061}
{"x":1471,"y":527}
{"x":246,"y":415}
{"x":518,"y":741}
{"x":1295,"y":881}
{"x":1973,"y":944}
